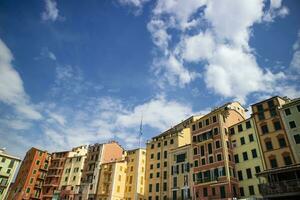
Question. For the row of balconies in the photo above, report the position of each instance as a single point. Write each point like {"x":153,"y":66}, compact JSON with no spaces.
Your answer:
{"x":282,"y":187}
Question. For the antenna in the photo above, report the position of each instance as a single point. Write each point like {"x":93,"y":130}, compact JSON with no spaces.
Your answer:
{"x":141,"y":131}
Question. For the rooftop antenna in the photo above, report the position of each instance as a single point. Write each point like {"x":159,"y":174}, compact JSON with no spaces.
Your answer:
{"x":141,"y":131}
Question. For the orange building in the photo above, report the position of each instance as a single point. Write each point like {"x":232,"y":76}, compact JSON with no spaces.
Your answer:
{"x":31,"y":176}
{"x":54,"y":175}
{"x":213,"y":167}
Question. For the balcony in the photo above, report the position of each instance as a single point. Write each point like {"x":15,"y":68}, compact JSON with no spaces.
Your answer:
{"x":35,"y":196}
{"x":206,"y":180}
{"x":282,"y":188}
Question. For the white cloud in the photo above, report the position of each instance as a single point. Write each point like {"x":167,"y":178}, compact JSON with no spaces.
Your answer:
{"x":51,"y":11}
{"x":11,"y":86}
{"x":295,"y":62}
{"x":58,"y":118}
{"x":16,"y":124}
{"x":276,"y":9}
{"x":135,"y":3}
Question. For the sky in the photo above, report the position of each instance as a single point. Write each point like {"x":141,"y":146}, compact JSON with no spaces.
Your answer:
{"x":74,"y":73}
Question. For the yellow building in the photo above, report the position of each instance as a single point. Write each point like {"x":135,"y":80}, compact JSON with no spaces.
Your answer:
{"x":72,"y":172}
{"x":158,"y":148}
{"x":180,"y":173}
{"x":112,"y":178}
{"x":290,"y":113}
{"x":8,"y":166}
{"x":272,"y":135}
{"x":135,"y":174}
{"x":247,"y":156}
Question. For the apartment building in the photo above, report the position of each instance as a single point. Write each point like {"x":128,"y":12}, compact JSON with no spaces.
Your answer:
{"x":72,"y":172}
{"x":97,"y":154}
{"x":8,"y":166}
{"x":248,"y":159}
{"x":112,"y":177}
{"x":181,"y":183}
{"x":135,"y":174}
{"x":290,"y":113}
{"x":158,"y":148}
{"x":54,"y":174}
{"x":282,"y":172}
{"x":213,"y":165}
{"x":31,"y":176}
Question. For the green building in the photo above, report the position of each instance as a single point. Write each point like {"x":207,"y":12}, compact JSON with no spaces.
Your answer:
{"x":8,"y":167}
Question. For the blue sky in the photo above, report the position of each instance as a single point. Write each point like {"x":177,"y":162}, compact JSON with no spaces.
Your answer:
{"x":75,"y":73}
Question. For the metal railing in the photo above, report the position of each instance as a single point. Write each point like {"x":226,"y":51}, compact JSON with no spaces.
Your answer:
{"x":281,"y":187}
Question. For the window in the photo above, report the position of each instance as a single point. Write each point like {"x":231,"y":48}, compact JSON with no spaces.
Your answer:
{"x":214,"y":119}
{"x":260,"y":107}
{"x":37,"y":162}
{"x":209,"y":146}
{"x":232,"y":131}
{"x":196,"y":164}
{"x":277,"y":125}
{"x":165,"y":154}
{"x":152,"y":156}
{"x":171,"y":141}
{"x":297,"y":138}
{"x":261,"y":115}
{"x":195,"y":151}
{"x":3,"y":159}
{"x":202,"y":150}
{"x":273,"y":112}
{"x":240,"y":128}
{"x":273,"y":162}
{"x":165,"y":143}
{"x":150,"y":187}
{"x":251,"y":137}
{"x":151,"y":166}
{"x":249,"y":174}
{"x":269,"y":145}
{"x":245,"y":156}
{"x":271,"y":103}
{"x":194,"y":139}
{"x":205,"y":193}
{"x":211,"y":159}
{"x":207,"y":122}
{"x":265,"y":129}
{"x":219,"y":157}
{"x":152,"y":146}
{"x":158,"y":144}
{"x":298,"y":108}
{"x":287,"y":160}
{"x":242,"y":140}
{"x":218,"y":144}
{"x":165,"y":164}
{"x":165,"y":186}
{"x":203,"y":161}
{"x":236,"y":158}
{"x":242,"y":191}
{"x":150,"y":175}
{"x":257,"y":169}
{"x":165,"y":174}
{"x":157,"y":165}
{"x":216,"y":131}
{"x":292,"y":124}
{"x":254,"y":153}
{"x":157,"y":175}
{"x":158,"y":156}
{"x":240,"y":175}
{"x":200,"y":124}
{"x":8,"y":171}
{"x":193,"y":127}
{"x":27,"y":190}
{"x":251,"y":190}
{"x":287,"y":111}
{"x":248,"y":124}
{"x":174,"y":182}
{"x":281,"y":142}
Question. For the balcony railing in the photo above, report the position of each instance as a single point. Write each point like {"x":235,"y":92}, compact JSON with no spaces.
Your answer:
{"x":283,"y":187}
{"x":206,"y":179}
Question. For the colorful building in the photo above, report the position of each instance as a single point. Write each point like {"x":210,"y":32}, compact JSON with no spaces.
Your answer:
{"x":72,"y":172}
{"x":54,"y":174}
{"x":31,"y":176}
{"x":8,"y":166}
{"x":112,"y":177}
{"x":248,"y":158}
{"x":213,"y":165}
{"x":290,"y":113}
{"x":97,"y":154}
{"x":135,"y":174}
{"x":180,"y":173}
{"x":158,"y":148}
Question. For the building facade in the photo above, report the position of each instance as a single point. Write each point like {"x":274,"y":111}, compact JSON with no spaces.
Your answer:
{"x":97,"y":154}
{"x":8,"y":166}
{"x":248,"y":158}
{"x":54,"y":174}
{"x":158,"y":148}
{"x":31,"y":176}
{"x":112,"y":178}
{"x":180,"y":173}
{"x":135,"y":174}
{"x":213,"y":164}
{"x":72,"y":172}
{"x":290,"y":113}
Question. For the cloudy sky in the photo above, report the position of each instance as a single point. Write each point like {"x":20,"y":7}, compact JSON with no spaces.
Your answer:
{"x":74,"y":72}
